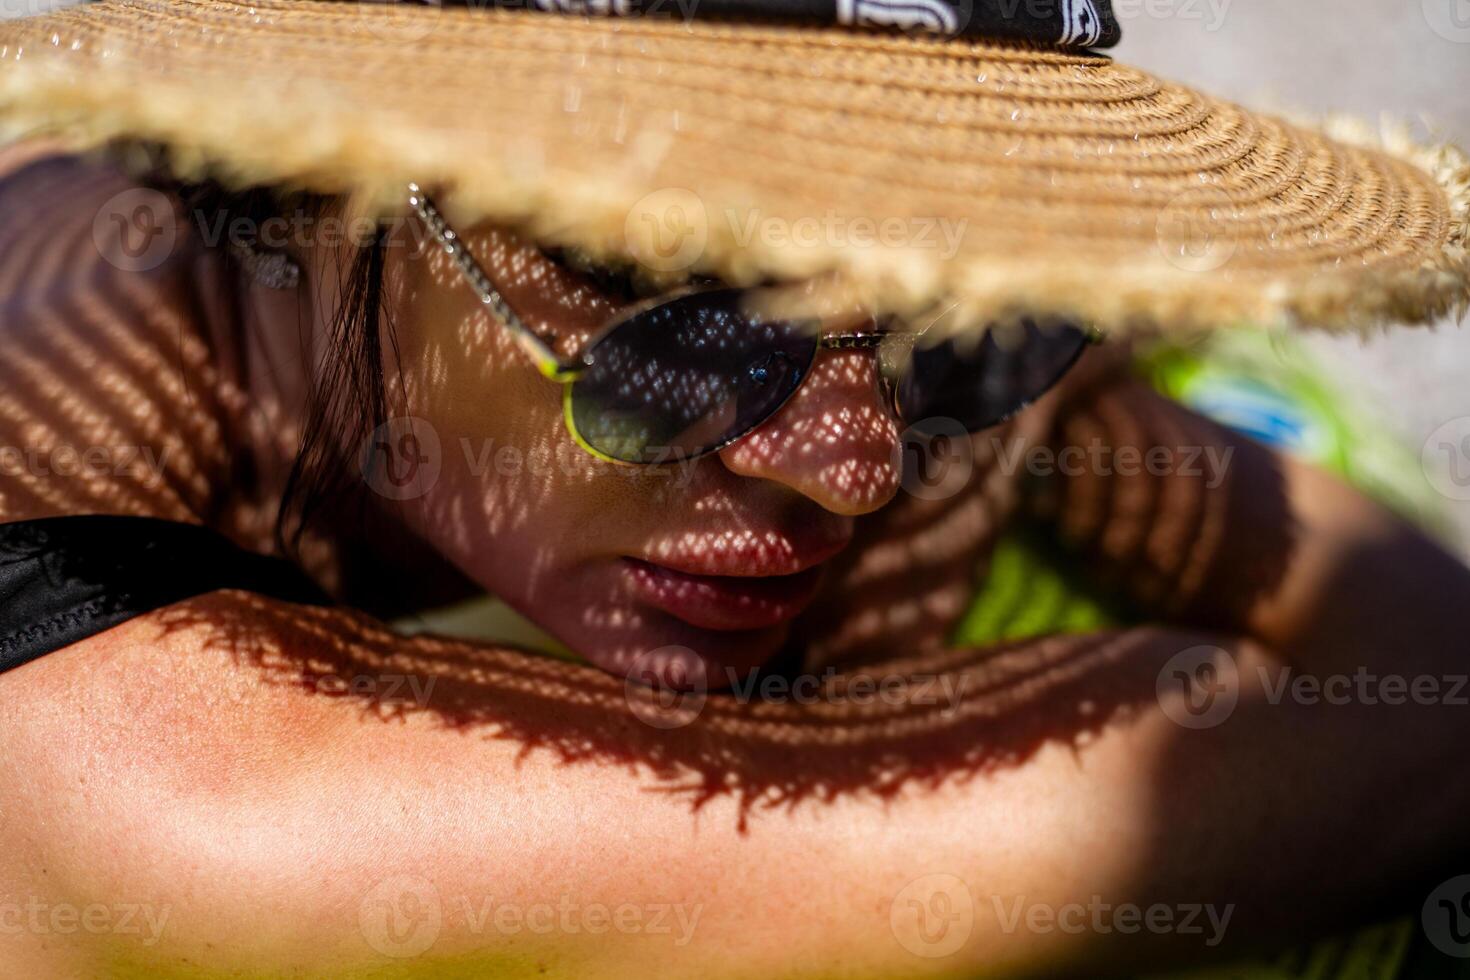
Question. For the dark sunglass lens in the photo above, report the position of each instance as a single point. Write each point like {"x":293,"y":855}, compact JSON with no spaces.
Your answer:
{"x":982,"y":384}
{"x":687,"y":376}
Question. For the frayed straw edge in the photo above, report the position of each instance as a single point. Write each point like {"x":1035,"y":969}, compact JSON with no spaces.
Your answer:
{"x":310,"y":147}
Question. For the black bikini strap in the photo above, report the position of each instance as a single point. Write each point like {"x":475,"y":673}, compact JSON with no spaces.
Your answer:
{"x":63,"y":579}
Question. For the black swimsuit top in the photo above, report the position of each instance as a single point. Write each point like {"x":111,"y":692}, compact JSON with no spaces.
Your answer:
{"x":63,"y":579}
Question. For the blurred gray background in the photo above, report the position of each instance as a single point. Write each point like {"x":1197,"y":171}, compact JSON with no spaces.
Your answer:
{"x":1409,"y":59}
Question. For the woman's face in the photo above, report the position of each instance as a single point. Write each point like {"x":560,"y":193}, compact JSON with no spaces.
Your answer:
{"x":696,"y":569}
{"x":715,"y":556}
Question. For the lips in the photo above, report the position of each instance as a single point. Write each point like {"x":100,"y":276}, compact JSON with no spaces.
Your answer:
{"x":751,"y":554}
{"x":724,"y":602}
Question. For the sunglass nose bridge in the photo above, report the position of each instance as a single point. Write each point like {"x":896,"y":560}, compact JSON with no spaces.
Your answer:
{"x":891,"y":349}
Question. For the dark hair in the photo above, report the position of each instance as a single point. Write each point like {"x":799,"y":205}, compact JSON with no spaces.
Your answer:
{"x":347,"y":401}
{"x":347,"y":398}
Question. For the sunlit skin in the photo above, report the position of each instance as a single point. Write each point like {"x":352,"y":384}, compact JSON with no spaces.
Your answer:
{"x":210,"y":760}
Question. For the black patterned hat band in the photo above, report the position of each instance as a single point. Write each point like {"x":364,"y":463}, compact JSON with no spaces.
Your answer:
{"x":1065,"y":23}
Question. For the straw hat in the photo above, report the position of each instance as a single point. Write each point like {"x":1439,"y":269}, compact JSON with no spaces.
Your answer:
{"x":1001,"y":165}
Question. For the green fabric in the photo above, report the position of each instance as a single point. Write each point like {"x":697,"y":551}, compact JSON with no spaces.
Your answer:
{"x":1268,"y":387}
{"x":1032,"y":588}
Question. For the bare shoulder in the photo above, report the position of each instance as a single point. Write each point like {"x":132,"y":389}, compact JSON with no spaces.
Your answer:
{"x":203,"y":766}
{"x":183,"y":783}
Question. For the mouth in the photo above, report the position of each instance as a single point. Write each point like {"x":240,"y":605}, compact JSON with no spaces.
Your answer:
{"x":751,"y":601}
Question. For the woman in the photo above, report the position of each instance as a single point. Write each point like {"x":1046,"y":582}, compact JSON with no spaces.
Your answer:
{"x":211,"y":768}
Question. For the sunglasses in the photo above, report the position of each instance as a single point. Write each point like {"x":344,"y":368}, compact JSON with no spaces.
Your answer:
{"x":689,"y":373}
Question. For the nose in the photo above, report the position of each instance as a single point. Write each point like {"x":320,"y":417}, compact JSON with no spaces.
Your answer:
{"x":832,"y":441}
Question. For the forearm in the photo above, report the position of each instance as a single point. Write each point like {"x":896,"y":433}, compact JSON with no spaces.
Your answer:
{"x":1216,"y":530}
{"x":784,"y":833}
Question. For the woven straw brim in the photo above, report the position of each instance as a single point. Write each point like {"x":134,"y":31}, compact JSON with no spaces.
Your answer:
{"x":914,"y":171}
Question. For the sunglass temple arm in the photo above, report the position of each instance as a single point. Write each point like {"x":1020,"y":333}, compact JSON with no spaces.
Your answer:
{"x":546,"y":359}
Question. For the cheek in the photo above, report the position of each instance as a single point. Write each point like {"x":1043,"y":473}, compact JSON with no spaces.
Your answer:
{"x":505,"y":452}
{"x":464,"y":372}
{"x":514,"y":499}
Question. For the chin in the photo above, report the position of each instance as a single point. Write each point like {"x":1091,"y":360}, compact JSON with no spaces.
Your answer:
{"x":682,"y":657}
